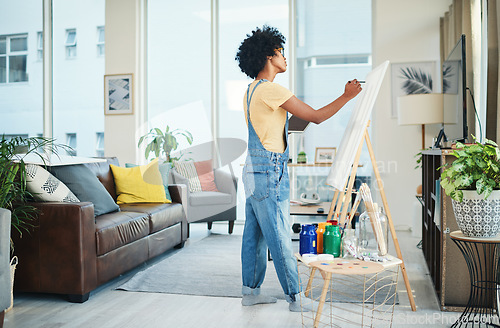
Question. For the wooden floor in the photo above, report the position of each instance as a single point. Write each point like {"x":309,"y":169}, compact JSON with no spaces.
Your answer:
{"x":108,"y":307}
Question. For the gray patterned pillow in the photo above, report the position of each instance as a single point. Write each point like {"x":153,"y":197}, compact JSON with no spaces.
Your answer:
{"x":45,"y":187}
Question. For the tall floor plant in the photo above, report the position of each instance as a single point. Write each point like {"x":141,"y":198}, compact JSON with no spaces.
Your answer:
{"x":13,"y":193}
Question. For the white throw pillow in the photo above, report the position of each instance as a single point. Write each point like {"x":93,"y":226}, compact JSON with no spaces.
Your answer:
{"x":45,"y":187}
{"x":188,"y":170}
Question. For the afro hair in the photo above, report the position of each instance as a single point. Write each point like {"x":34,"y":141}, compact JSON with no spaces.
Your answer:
{"x":254,"y":50}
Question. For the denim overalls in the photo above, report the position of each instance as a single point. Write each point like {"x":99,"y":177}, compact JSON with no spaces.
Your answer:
{"x":267,"y":191}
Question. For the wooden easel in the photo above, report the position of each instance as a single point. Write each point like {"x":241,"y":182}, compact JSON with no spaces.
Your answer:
{"x":341,"y":201}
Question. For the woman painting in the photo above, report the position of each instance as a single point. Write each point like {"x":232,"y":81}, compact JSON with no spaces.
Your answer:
{"x":265,"y":174}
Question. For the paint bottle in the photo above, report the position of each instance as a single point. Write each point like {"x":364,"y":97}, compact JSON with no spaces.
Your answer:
{"x":319,"y":232}
{"x":331,"y":240}
{"x":337,"y":241}
{"x":308,"y":239}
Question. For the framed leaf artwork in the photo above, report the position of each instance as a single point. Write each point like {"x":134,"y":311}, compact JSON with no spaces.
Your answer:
{"x":411,"y":78}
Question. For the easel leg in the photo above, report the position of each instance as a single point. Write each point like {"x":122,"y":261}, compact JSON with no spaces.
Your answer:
{"x":348,"y":194}
{"x":332,"y":205}
{"x":326,"y":285}
{"x":389,"y":219}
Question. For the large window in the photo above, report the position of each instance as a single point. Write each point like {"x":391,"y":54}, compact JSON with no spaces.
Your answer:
{"x":78,"y":98}
{"x":330,"y":52}
{"x":21,"y":88}
{"x":179,"y":67}
{"x":237,"y":19}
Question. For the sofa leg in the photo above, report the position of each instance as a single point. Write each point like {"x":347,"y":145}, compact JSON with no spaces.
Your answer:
{"x":76,"y":298}
{"x":231,"y":226}
{"x":2,"y":315}
{"x":180,"y":245}
{"x":209,"y":225}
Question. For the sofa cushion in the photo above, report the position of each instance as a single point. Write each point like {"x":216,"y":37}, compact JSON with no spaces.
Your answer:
{"x":209,"y":198}
{"x":119,"y":228}
{"x":164,"y":172}
{"x":85,"y":185}
{"x":206,"y":175}
{"x":104,"y":174}
{"x":188,"y":171}
{"x":47,"y":188}
{"x":161,"y":216}
{"x":140,"y":184}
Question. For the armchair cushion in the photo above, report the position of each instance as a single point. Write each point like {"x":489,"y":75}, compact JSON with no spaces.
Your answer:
{"x":85,"y":185}
{"x":209,"y":198}
{"x":188,"y":171}
{"x":47,"y":188}
{"x":140,"y":184}
{"x":206,"y":175}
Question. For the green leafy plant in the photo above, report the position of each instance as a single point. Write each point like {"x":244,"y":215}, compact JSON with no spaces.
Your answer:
{"x":163,"y":142}
{"x":14,"y":195}
{"x":476,"y":167}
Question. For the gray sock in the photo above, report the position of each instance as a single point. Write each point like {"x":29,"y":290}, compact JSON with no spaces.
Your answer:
{"x":248,"y":300}
{"x":307,"y":305}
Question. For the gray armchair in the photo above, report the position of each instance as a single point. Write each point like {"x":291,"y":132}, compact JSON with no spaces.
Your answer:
{"x":5,"y":283}
{"x":210,"y":206}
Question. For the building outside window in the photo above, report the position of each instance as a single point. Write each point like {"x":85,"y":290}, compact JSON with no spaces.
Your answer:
{"x":13,"y":58}
{"x":100,"y":41}
{"x":70,"y":43}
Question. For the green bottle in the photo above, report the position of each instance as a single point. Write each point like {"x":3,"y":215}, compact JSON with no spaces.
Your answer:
{"x":332,"y":240}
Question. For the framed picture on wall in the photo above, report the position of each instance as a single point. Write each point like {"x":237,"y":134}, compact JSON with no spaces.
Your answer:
{"x":324,"y":155}
{"x":411,"y":78}
{"x":118,"y":94}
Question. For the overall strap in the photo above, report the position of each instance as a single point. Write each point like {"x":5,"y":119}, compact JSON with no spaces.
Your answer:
{"x":249,"y":99}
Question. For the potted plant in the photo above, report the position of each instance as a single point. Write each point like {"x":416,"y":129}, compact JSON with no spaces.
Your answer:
{"x":14,"y":196}
{"x":163,"y":143}
{"x":473,"y":183}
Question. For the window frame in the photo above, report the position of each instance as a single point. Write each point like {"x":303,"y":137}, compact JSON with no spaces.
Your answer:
{"x":39,"y":41}
{"x":9,"y":53}
{"x":100,"y":44}
{"x":70,"y":47}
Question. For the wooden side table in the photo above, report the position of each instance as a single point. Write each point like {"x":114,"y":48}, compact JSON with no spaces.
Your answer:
{"x":358,"y":293}
{"x":482,"y":258}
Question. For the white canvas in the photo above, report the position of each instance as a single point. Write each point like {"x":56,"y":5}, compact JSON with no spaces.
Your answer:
{"x":353,"y":135}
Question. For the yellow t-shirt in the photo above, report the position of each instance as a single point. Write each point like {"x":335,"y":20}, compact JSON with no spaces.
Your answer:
{"x":267,"y":117}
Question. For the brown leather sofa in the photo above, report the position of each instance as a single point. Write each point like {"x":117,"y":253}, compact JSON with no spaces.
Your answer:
{"x":71,"y":252}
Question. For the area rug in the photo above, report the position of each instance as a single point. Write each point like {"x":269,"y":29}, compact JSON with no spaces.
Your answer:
{"x":211,"y":267}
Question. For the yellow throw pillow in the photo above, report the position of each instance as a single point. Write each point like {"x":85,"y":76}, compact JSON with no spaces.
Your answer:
{"x":140,"y":184}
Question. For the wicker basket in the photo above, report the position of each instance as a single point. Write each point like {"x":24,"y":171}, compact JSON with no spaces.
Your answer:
{"x":13,"y":265}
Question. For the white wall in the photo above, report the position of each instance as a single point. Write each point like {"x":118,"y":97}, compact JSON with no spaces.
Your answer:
{"x":122,"y":56}
{"x":403,"y":31}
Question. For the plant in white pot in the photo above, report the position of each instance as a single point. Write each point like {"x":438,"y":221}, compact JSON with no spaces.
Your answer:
{"x":472,"y":181}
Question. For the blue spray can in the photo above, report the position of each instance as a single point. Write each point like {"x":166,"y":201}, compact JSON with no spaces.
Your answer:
{"x":308,"y":239}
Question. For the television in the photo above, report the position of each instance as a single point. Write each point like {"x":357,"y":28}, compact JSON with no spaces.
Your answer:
{"x":454,"y":126}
